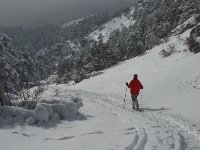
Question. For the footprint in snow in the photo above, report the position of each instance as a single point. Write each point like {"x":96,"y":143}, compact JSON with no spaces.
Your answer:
{"x":47,"y":139}
{"x":130,"y":129}
{"x":27,"y":135}
{"x":66,"y":138}
{"x":15,"y":132}
{"x":91,"y":133}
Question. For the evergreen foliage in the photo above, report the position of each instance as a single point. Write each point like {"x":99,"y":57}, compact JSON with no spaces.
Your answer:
{"x":35,"y":54}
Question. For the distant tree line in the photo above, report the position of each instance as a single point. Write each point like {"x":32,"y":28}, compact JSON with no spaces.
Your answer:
{"x":35,"y":54}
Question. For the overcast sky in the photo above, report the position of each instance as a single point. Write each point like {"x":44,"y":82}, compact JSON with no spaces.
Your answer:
{"x":30,"y":13}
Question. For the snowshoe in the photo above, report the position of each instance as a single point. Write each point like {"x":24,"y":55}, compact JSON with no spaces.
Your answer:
{"x":139,"y":109}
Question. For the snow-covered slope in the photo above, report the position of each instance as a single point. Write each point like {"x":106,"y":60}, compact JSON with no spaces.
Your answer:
{"x":172,"y":82}
{"x":74,"y":22}
{"x":170,"y":100}
{"x":115,"y":24}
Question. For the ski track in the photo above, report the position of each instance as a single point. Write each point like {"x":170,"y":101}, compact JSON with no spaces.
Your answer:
{"x":159,"y":130}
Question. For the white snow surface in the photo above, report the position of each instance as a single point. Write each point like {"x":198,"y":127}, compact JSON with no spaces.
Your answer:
{"x":115,"y":24}
{"x":170,"y":101}
{"x":171,"y":82}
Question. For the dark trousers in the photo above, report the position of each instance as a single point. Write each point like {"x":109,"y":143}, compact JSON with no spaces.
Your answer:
{"x":135,"y":101}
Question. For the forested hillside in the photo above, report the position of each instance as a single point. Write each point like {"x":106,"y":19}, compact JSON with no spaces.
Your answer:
{"x":70,"y":52}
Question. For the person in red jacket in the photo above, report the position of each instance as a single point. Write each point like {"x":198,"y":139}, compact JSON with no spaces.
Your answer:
{"x":135,"y":86}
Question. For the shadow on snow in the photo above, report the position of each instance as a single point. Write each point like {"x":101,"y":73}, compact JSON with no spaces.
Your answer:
{"x":155,"y":109}
{"x":6,"y":123}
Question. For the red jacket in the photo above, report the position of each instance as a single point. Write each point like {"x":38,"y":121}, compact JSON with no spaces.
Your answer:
{"x":135,"y":85}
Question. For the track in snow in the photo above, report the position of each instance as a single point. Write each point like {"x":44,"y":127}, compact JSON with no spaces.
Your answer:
{"x":152,"y":129}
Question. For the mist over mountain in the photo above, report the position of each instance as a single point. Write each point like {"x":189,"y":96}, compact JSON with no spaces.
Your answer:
{"x":32,"y":13}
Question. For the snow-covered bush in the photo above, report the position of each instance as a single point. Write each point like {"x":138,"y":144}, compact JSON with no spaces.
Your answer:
{"x":194,"y":40}
{"x":30,"y":105}
{"x":50,"y":80}
{"x":170,"y":50}
{"x":29,"y":98}
{"x":165,"y":53}
{"x":193,"y":44}
{"x":93,"y":74}
{"x":56,"y":92}
{"x":78,"y":101}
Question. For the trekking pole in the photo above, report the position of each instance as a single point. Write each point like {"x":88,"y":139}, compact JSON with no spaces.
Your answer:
{"x":125,"y":96}
{"x":142,"y":98}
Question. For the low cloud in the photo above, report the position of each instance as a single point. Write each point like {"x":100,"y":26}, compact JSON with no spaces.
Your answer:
{"x":31,"y":13}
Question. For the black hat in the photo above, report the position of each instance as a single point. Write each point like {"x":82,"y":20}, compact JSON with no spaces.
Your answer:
{"x":135,"y":76}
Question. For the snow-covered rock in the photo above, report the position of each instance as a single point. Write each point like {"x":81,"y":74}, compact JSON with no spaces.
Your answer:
{"x":49,"y":108}
{"x":13,"y":114}
{"x":67,"y":110}
{"x":41,"y":114}
{"x":30,"y":121}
